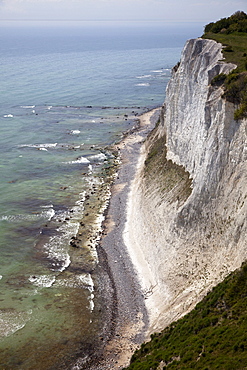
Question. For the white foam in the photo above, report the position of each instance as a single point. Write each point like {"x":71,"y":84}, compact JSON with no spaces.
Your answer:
{"x":39,"y":146}
{"x":51,"y":145}
{"x":16,"y":218}
{"x":91,"y":302}
{"x":29,"y":217}
{"x":75,"y":132}
{"x":81,"y":361}
{"x":28,"y":106}
{"x":98,"y":157}
{"x":87,"y":281}
{"x":43,"y":281}
{"x":8,"y":116}
{"x":1,"y":276}
{"x":77,"y":281}
{"x":143,"y":84}
{"x":57,"y":249}
{"x":82,"y":160}
{"x":11,"y":321}
{"x":158,"y":71}
{"x":82,"y":197}
{"x":50,"y":213}
{"x":144,"y":76}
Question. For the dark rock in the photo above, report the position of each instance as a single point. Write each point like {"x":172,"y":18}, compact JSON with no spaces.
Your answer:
{"x":73,"y":244}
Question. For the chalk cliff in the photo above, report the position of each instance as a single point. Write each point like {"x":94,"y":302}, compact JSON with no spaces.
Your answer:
{"x":186,"y":222}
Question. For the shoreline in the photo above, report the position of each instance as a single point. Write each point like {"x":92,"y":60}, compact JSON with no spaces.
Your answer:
{"x":129,"y":316}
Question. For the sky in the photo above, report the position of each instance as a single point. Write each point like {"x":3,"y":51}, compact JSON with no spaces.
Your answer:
{"x":162,"y":10}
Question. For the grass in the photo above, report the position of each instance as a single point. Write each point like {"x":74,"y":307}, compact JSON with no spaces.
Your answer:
{"x":235,"y":47}
{"x":235,"y":84}
{"x":212,"y":336}
{"x":169,"y":176}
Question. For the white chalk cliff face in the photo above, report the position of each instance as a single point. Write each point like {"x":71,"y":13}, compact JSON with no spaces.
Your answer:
{"x":181,"y":245}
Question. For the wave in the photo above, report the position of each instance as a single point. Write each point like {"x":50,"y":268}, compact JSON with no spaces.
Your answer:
{"x":78,"y":281}
{"x":12,"y":321}
{"x":98,"y":157}
{"x":42,"y":147}
{"x":47,"y":215}
{"x":57,"y":253}
{"x":8,"y":116}
{"x":43,"y":281}
{"x":28,"y":106}
{"x":16,"y":218}
{"x":52,"y":146}
{"x":50,"y":213}
{"x":57,"y":249}
{"x":144,"y":76}
{"x":143,"y":84}
{"x":82,"y":160}
{"x":161,"y":73}
{"x":74,"y":132}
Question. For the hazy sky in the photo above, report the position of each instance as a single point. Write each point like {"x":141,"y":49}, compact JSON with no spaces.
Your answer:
{"x":167,"y":10}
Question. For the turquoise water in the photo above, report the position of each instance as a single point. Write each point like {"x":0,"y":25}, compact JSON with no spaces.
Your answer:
{"x":66,"y":94}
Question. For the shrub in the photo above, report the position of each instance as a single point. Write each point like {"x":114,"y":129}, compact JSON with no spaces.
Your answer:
{"x":218,"y":344}
{"x":219,"y":79}
{"x":235,"y":90}
{"x":228,"y":48}
{"x":232,"y":32}
{"x":235,"y":23}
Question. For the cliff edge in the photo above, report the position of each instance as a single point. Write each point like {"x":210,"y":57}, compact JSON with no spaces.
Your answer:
{"x":186,"y":224}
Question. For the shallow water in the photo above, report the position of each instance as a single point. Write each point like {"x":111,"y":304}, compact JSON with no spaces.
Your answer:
{"x":66,"y":95}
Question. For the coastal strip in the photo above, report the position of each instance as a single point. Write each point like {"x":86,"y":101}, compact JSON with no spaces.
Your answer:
{"x":130,"y":318}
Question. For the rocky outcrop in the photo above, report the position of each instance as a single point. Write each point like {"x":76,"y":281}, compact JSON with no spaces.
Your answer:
{"x":187,"y":208}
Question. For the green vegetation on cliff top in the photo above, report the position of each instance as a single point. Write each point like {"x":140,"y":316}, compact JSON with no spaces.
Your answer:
{"x":231,"y":32}
{"x":212,"y":336}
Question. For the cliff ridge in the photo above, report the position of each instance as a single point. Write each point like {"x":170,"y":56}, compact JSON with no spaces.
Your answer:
{"x":186,"y":222}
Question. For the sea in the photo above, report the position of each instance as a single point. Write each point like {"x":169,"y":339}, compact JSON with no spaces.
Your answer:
{"x":68,"y":92}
